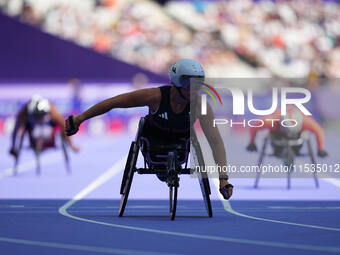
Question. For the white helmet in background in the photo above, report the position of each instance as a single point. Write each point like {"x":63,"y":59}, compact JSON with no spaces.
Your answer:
{"x":182,"y":70}
{"x":38,"y":107}
{"x":292,"y":123}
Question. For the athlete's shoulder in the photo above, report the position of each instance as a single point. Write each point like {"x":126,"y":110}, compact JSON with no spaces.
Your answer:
{"x":150,"y":96}
{"x":165,"y":86}
{"x":150,"y":92}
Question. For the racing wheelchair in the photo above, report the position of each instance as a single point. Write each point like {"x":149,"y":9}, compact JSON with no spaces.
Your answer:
{"x":166,"y":161}
{"x":286,"y":149}
{"x":38,"y":145}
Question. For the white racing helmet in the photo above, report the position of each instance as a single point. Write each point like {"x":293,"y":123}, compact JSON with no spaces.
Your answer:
{"x":291,"y":124}
{"x":38,"y":107}
{"x":182,"y":71}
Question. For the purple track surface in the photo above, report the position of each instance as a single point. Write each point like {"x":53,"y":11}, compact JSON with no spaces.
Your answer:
{"x":268,"y":220}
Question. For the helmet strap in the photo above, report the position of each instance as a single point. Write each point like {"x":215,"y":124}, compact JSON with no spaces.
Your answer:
{"x":180,"y":92}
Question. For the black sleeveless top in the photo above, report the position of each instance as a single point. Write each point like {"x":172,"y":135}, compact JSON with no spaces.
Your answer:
{"x":164,"y":124}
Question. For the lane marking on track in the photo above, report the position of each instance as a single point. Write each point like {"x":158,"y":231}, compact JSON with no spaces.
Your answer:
{"x":120,"y":165}
{"x":116,"y":168}
{"x":15,"y":206}
{"x":228,"y":208}
{"x":333,"y":181}
{"x":78,"y":247}
{"x":304,"y":207}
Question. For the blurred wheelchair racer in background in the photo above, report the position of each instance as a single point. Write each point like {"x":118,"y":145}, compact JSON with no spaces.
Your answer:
{"x":41,"y":120}
{"x":289,"y":131}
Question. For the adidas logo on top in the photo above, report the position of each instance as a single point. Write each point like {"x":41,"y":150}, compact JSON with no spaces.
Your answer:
{"x":164,"y":115}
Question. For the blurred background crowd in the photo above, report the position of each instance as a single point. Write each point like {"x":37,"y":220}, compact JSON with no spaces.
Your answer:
{"x":230,"y":38}
{"x":138,"y":32}
{"x":288,"y":38}
{"x":234,"y":38}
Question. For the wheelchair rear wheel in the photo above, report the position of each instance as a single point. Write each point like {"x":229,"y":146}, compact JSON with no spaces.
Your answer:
{"x":205,"y":188}
{"x":311,"y":155}
{"x":202,"y":176}
{"x":65,"y":153}
{"x":126,"y":169}
{"x":37,"y":152}
{"x":16,"y":163}
{"x":259,"y":163}
{"x":288,"y":157}
{"x":173,"y":201}
{"x":128,"y":174}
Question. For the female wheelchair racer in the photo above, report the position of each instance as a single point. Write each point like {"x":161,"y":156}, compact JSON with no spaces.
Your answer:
{"x":169,"y":112}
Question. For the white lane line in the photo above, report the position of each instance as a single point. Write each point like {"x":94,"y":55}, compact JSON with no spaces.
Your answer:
{"x":333,"y":181}
{"x":99,"y":181}
{"x":15,"y":206}
{"x":228,"y":208}
{"x":119,"y":165}
{"x":95,"y":184}
{"x":304,"y":207}
{"x":78,"y":247}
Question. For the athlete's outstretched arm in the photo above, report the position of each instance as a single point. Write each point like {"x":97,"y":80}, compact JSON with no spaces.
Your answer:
{"x":217,"y":146}
{"x":143,"y":97}
{"x":213,"y":136}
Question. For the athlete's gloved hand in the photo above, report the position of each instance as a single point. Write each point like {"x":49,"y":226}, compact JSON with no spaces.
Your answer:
{"x":322,"y":153}
{"x":71,"y":126}
{"x":13,"y":152}
{"x":252,"y":147}
{"x":226,"y":189}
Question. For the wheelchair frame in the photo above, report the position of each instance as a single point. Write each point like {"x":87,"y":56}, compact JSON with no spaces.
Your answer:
{"x":171,"y":167}
{"x":37,"y":151}
{"x":287,"y":155}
